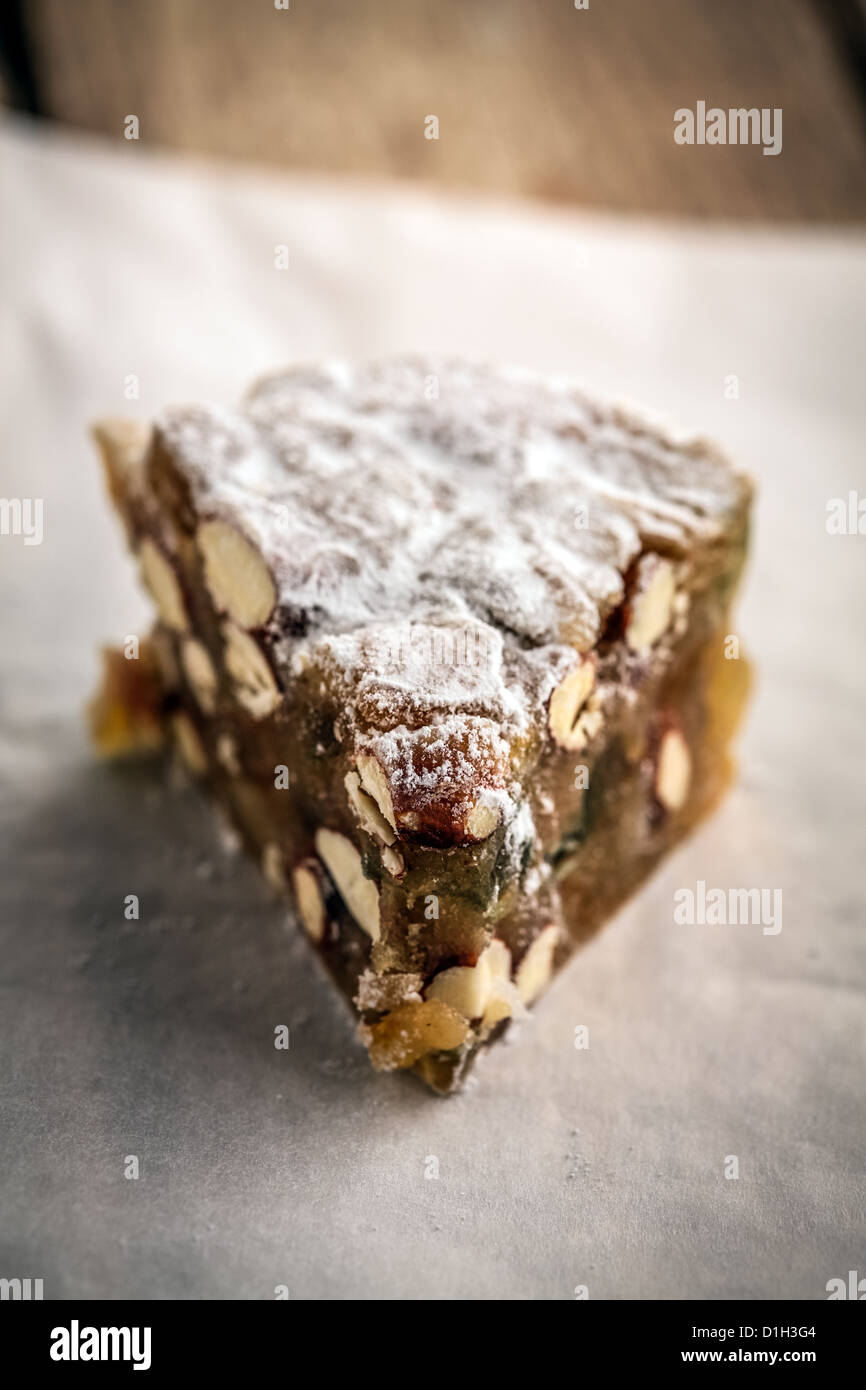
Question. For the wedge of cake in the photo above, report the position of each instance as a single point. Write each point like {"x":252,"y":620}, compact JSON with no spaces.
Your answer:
{"x":448,"y":645}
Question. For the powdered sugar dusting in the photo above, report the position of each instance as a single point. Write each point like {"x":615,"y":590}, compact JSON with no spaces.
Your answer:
{"x":409,"y":506}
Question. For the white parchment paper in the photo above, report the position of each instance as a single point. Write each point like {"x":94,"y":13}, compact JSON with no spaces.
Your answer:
{"x":557,"y":1167}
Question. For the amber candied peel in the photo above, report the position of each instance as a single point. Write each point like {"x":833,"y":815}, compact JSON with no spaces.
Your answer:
{"x":448,"y":645}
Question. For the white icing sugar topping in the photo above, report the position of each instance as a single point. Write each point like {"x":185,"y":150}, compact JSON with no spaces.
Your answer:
{"x":443,"y":536}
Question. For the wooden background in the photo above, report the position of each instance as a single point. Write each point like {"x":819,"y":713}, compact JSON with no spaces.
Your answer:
{"x":533,"y":96}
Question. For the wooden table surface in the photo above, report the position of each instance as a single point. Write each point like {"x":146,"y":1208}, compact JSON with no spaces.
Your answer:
{"x":533,"y":97}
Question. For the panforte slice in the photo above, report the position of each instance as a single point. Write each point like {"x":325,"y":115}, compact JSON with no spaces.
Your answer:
{"x":447,"y":643}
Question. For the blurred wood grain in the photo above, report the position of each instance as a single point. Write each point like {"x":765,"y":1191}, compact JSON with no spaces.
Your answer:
{"x":533,"y":97}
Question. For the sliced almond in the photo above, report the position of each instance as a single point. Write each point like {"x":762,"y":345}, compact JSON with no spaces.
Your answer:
{"x":306,"y":881}
{"x":200,"y":673}
{"x":253,"y":681}
{"x":189,"y":745}
{"x":674,"y":771}
{"x":478,"y":990}
{"x":375,"y":784}
{"x":504,"y":1000}
{"x":163,"y":585}
{"x":652,"y":606}
{"x":566,"y":704}
{"x":682,"y":604}
{"x":228,"y":755}
{"x":274,"y":867}
{"x":236,"y":575}
{"x":536,"y":969}
{"x":393,"y":861}
{"x":367,"y":810}
{"x":465,"y":988}
{"x":343,"y":862}
{"x":498,"y":960}
{"x":482,"y":820}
